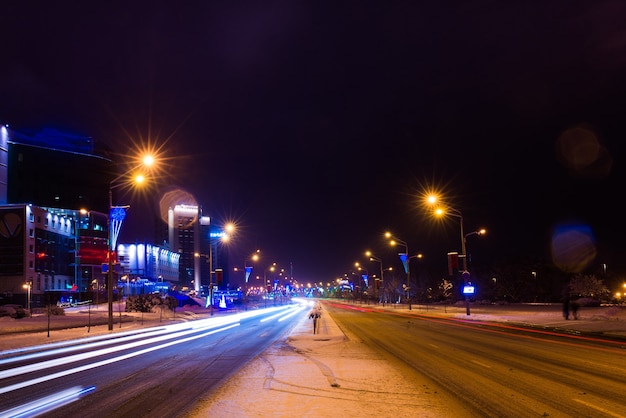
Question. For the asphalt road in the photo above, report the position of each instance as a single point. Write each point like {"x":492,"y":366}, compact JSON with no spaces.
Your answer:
{"x":494,"y":369}
{"x":158,"y":371}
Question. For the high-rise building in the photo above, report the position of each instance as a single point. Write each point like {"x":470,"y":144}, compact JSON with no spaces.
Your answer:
{"x":62,"y":172}
{"x":193,"y":236}
{"x":184,"y":238}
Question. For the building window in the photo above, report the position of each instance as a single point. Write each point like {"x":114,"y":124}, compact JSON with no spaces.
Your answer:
{"x":31,"y":217}
{"x":30,"y":264}
{"x":31,"y":233}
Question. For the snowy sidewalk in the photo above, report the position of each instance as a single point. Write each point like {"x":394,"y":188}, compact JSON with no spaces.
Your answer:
{"x":317,"y":375}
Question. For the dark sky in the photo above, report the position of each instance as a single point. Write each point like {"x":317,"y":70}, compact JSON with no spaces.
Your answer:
{"x":319,"y":125}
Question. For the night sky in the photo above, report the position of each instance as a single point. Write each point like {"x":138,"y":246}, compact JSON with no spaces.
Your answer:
{"x":317,"y":126}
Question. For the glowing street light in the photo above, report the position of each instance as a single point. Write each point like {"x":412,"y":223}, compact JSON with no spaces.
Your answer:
{"x":271,"y":268}
{"x":223,"y":236}
{"x":382,"y":283}
{"x":448,"y":210}
{"x":28,"y":286}
{"x":404,"y":257}
{"x":481,"y":231}
{"x":114,"y":224}
{"x":365,"y":278}
{"x":248,"y":270}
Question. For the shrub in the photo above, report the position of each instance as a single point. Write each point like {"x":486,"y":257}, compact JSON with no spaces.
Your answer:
{"x":54,"y":310}
{"x":146,"y":303}
{"x":588,"y":302}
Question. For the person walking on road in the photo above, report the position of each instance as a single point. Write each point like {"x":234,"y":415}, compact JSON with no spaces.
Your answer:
{"x":574,"y":305}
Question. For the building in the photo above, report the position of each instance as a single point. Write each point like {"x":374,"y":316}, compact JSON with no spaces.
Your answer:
{"x":61,"y":253}
{"x":54,"y":218}
{"x":184,"y":238}
{"x":146,"y":268}
{"x":53,"y":174}
{"x":192,"y":235}
{"x":56,"y":226}
{"x":37,"y":249}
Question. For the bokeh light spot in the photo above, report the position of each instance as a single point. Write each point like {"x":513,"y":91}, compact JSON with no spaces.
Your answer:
{"x":573,"y":248}
{"x":173,"y":198}
{"x":579,"y":150}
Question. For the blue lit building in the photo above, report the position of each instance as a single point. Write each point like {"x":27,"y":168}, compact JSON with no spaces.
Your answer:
{"x":54,"y":206}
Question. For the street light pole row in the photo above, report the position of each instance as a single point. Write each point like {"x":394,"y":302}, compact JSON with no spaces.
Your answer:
{"x":382,"y":282}
{"x":405,"y":261}
{"x":443,"y":210}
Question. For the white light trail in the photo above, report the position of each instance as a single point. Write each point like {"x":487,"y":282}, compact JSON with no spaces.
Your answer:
{"x":103,"y":362}
{"x":48,"y":403}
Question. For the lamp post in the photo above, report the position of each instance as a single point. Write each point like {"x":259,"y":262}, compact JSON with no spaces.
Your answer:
{"x":359,"y":268}
{"x":382,"y":282}
{"x":457,"y":214}
{"x":211,"y":273}
{"x":115,"y":218}
{"x":448,"y":210}
{"x":222,"y":236}
{"x":114,"y":224}
{"x":465,"y":274}
{"x":266,"y":282}
{"x":247,"y":271}
{"x":417,"y":276}
{"x":481,"y":231}
{"x":209,"y":259}
{"x":405,"y":261}
{"x":28,"y":285}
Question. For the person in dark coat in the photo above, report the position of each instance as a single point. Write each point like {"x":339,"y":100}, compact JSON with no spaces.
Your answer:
{"x":574,"y":305}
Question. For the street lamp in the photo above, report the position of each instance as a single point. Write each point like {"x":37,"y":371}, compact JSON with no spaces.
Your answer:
{"x":28,"y":285}
{"x":209,"y":258}
{"x":447,"y":210}
{"x":248,"y":270}
{"x":441,"y":211}
{"x":382,"y":283}
{"x":266,"y":282}
{"x":481,"y":231}
{"x":114,"y":224}
{"x":359,"y":268}
{"x":222,"y":236}
{"x":405,"y":262}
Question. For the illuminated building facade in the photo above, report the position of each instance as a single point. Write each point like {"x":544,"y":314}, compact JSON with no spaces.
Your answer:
{"x":184,"y":238}
{"x":38,"y":246}
{"x":45,"y":179}
{"x":146,"y":268}
{"x":196,"y":240}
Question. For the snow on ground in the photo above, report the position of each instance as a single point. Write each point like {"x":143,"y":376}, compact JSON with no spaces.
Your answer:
{"x":320,"y":375}
{"x":326,"y":374}
{"x":331,"y":375}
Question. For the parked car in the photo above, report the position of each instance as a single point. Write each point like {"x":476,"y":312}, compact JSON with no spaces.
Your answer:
{"x":12,"y":310}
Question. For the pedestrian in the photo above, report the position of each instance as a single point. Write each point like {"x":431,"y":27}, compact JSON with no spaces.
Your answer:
{"x":566,"y":306}
{"x":575,"y":305}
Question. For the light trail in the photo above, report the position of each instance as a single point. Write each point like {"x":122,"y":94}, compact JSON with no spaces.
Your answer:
{"x":46,"y":404}
{"x":107,"y":339}
{"x":108,"y":361}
